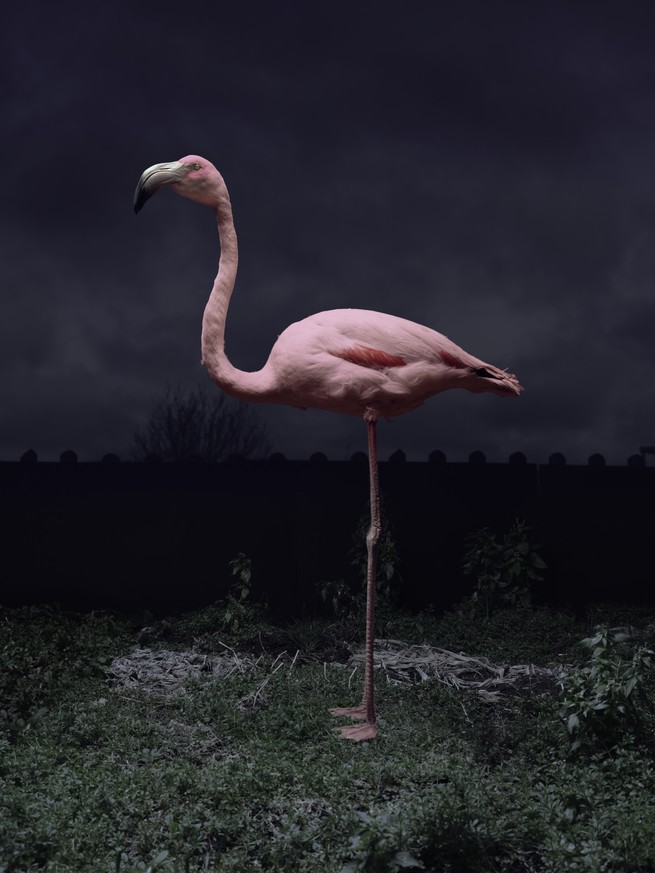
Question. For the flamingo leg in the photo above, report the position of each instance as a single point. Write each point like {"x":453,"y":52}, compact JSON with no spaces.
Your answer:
{"x":366,"y":710}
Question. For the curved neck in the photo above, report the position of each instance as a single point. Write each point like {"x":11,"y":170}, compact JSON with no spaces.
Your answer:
{"x":233,"y":381}
{"x":215,"y":315}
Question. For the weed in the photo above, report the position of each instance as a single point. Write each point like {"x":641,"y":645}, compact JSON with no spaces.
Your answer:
{"x":373,"y":847}
{"x":505,"y":571}
{"x":241,"y":567}
{"x":388,"y":563}
{"x":307,"y":636}
{"x":605,"y":699}
{"x":339,"y":598}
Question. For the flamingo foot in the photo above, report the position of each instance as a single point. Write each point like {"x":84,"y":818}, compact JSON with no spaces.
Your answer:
{"x":359,"y":732}
{"x":358,"y":712}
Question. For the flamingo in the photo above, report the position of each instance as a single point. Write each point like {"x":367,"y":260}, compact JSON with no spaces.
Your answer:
{"x":351,"y":361}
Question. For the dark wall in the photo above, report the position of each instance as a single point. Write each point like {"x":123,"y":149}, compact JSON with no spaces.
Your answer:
{"x":160,"y":536}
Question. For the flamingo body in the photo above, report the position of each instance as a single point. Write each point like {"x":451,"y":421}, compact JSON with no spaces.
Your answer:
{"x":356,"y":361}
{"x":351,"y":361}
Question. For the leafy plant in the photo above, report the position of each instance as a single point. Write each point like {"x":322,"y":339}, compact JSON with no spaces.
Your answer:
{"x":240,"y":614}
{"x":339,"y":598}
{"x":387,"y":560}
{"x":606,"y":697}
{"x":241,"y":567}
{"x":373,"y":848}
{"x":504,"y":571}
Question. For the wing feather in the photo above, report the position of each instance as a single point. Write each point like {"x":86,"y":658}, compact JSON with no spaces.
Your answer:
{"x":366,"y":356}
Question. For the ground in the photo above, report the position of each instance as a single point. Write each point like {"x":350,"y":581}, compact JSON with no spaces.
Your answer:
{"x":182,"y":744}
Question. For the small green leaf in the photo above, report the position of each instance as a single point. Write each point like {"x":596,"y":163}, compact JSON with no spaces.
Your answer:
{"x":629,"y":686}
{"x":407,"y":862}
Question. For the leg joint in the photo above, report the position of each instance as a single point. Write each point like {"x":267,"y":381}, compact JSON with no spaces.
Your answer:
{"x":373,"y":535}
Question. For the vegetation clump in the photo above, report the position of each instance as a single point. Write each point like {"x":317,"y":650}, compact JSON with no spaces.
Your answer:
{"x":611,"y":695}
{"x":504,"y":571}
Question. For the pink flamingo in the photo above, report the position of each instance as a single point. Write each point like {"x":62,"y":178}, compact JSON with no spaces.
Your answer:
{"x":350,"y":361}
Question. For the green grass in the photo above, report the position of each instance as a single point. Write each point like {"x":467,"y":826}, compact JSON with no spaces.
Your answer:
{"x":105,"y":780}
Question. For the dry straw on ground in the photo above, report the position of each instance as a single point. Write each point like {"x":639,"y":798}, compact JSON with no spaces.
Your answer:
{"x":418,"y":663}
{"x":163,"y":673}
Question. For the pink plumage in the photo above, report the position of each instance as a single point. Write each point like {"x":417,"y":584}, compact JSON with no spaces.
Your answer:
{"x":351,"y":361}
{"x":358,"y":362}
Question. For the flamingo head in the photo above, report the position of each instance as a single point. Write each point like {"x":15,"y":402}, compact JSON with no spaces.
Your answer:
{"x":193,"y":177}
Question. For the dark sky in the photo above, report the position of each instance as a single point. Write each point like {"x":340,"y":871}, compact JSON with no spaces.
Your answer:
{"x":487,"y":169}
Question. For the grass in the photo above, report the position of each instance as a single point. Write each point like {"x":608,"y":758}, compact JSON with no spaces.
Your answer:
{"x":114,"y":780}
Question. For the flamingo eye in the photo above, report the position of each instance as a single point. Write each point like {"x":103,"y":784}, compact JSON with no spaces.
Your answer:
{"x":196,"y":166}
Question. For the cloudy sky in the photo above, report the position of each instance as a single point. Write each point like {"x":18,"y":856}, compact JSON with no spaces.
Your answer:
{"x":487,"y":169}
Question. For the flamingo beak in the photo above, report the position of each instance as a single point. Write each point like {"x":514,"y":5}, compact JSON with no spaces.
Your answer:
{"x":156,"y":177}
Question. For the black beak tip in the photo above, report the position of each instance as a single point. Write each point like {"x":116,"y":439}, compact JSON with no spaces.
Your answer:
{"x":140,"y":198}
